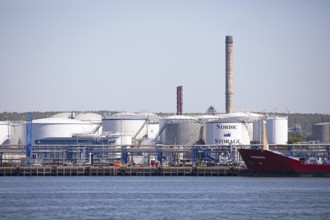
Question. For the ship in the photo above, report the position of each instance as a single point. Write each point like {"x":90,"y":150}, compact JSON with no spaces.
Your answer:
{"x":262,"y":161}
{"x":272,"y":163}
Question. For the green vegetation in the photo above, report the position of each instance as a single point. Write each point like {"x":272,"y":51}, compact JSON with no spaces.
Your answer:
{"x":304,"y":123}
{"x":295,"y":138}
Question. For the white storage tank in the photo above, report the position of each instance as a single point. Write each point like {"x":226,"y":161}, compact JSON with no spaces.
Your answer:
{"x":17,"y":133}
{"x":250,"y":120}
{"x":207,"y":118}
{"x":204,"y":119}
{"x":52,"y":128}
{"x":228,"y":131}
{"x":116,"y":141}
{"x":153,"y":124}
{"x":153,"y":130}
{"x":86,"y":116}
{"x":277,"y":130}
{"x":89,"y":116}
{"x":64,"y":115}
{"x":57,"y":127}
{"x":4,"y":132}
{"x":92,"y":118}
{"x":125,"y":123}
{"x":241,"y":116}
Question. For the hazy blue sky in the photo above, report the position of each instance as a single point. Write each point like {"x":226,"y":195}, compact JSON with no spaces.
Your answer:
{"x":131,"y":55}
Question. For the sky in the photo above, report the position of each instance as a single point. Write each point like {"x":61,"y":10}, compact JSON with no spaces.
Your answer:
{"x":125,"y":55}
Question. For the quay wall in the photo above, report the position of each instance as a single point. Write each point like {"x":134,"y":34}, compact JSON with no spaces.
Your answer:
{"x":121,"y":171}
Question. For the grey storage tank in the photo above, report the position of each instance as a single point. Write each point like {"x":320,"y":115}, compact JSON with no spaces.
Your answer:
{"x":321,"y":132}
{"x":181,"y":130}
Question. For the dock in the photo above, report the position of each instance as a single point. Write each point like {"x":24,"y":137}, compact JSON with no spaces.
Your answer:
{"x":120,"y":171}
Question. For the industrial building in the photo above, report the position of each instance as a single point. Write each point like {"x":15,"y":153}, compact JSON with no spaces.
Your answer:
{"x":69,"y":138}
{"x":129,"y":137}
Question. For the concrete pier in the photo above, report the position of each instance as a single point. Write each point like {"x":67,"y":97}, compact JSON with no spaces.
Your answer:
{"x":120,"y":171}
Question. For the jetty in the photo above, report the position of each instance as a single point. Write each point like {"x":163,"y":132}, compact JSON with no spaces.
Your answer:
{"x":121,"y":171}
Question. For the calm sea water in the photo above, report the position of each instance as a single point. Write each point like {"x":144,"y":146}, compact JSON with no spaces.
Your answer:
{"x":164,"y":198}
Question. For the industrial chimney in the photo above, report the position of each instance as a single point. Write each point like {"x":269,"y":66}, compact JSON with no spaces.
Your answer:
{"x":179,"y":100}
{"x":229,"y":74}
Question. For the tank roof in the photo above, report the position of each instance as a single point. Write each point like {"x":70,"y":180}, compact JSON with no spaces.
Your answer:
{"x":126,"y":115}
{"x":180,"y":117}
{"x":57,"y":121}
{"x":62,"y":115}
{"x":227,"y":120}
{"x":322,"y":123}
{"x":240,"y":114}
{"x":88,"y":116}
{"x":276,"y":117}
{"x":148,"y":115}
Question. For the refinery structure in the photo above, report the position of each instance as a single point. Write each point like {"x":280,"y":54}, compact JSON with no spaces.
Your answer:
{"x":145,"y":139}
{"x":91,"y":138}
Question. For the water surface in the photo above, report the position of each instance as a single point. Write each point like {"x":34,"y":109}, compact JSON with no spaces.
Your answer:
{"x":164,"y":198}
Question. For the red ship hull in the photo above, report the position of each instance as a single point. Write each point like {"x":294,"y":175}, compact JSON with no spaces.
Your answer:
{"x":268,"y":162}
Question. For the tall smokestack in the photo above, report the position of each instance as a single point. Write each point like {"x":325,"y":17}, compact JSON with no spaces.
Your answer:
{"x":229,"y":74}
{"x":179,"y":100}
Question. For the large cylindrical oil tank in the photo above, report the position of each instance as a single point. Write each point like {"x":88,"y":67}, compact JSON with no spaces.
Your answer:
{"x":251,"y":122}
{"x":172,"y":119}
{"x":64,"y":115}
{"x":179,"y":130}
{"x":153,"y":129}
{"x":204,"y":119}
{"x":257,"y":133}
{"x":277,"y":130}
{"x":153,"y":124}
{"x":250,"y":116}
{"x":182,"y":133}
{"x":130,"y":124}
{"x":228,"y":131}
{"x":52,"y":127}
{"x":117,"y":141}
{"x":92,"y":118}
{"x":85,"y":116}
{"x":207,"y":118}
{"x":321,"y":132}
{"x":57,"y":127}
{"x":4,"y":132}
{"x":17,"y":133}
{"x":88,"y":116}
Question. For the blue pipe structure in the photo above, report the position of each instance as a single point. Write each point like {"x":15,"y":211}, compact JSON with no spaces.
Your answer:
{"x":124,"y":155}
{"x":68,"y":154}
{"x":159,"y":155}
{"x":29,"y":146}
{"x":194,"y":155}
{"x":203,"y":154}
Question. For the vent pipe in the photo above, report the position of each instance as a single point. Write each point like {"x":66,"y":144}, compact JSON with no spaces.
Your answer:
{"x":229,"y":74}
{"x":179,"y":100}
